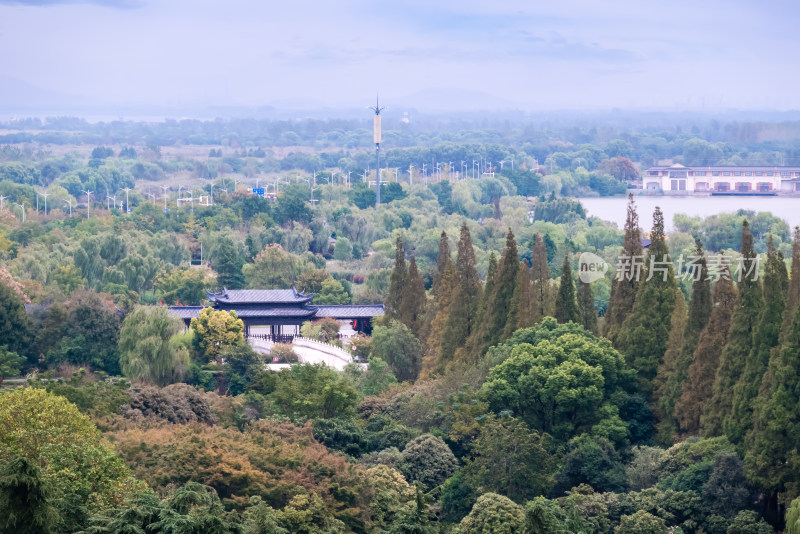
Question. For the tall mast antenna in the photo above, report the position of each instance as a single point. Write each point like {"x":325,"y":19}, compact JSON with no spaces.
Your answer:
{"x":377,"y":138}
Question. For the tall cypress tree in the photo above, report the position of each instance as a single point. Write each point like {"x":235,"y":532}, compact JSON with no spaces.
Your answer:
{"x":492,"y":328}
{"x":448,"y":286}
{"x":705,"y":360}
{"x":624,"y":288}
{"x":644,"y":334}
{"x":540,"y":281}
{"x":566,"y":307}
{"x":396,"y":281}
{"x":667,"y":372}
{"x":740,"y":340}
{"x":673,"y":371}
{"x":463,"y":311}
{"x":442,"y":261}
{"x":776,"y":281}
{"x":523,"y":298}
{"x":772,"y":458}
{"x":586,"y":306}
{"x":793,"y":293}
{"x":413,"y":301}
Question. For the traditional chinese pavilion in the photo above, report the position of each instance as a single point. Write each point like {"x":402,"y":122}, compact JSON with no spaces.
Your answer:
{"x":281,"y":312}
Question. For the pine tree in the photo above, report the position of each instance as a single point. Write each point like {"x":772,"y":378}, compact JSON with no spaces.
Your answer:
{"x":442,"y":261}
{"x":448,"y":287}
{"x":705,"y":360}
{"x":586,"y":306}
{"x":566,"y":307}
{"x":492,"y":328}
{"x":740,"y":340}
{"x":413,"y":300}
{"x":228,"y":264}
{"x":396,"y":281}
{"x":624,"y":288}
{"x":672,"y":373}
{"x":540,"y":280}
{"x":766,"y":336}
{"x":462,"y":319}
{"x":644,"y":334}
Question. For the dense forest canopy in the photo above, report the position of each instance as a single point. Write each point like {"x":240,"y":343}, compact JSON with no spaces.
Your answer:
{"x":502,"y":391}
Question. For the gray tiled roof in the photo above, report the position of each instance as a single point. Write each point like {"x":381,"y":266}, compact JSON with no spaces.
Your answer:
{"x":259,"y":296}
{"x":350,"y":312}
{"x":185,"y":312}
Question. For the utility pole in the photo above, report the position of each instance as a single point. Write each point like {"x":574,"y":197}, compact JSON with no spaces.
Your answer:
{"x":376,"y":134}
{"x":2,"y":198}
{"x":165,"y":188}
{"x":410,"y":174}
{"x":22,"y":207}
{"x":127,"y":207}
{"x":88,"y":204}
{"x":45,"y":195}
{"x":70,"y":206}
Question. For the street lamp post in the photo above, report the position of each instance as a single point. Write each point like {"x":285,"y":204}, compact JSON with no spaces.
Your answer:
{"x":45,"y":195}
{"x":165,"y":188}
{"x":88,"y":204}
{"x":70,"y":206}
{"x":22,"y":208}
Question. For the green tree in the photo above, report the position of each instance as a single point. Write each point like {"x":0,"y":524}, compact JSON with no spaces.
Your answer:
{"x":442,"y":261}
{"x":397,"y":281}
{"x":413,"y":300}
{"x":748,"y":522}
{"x":588,"y":314}
{"x":187,"y":286}
{"x":684,"y":335}
{"x":343,"y":249}
{"x":793,"y":518}
{"x":462,"y":320}
{"x":521,"y":314}
{"x":14,"y":322}
{"x":644,"y":334}
{"x":228,"y":264}
{"x":540,"y":279}
{"x":214,"y":330}
{"x":566,"y":307}
{"x":624,"y":287}
{"x":640,"y":522}
{"x":447,"y":289}
{"x":83,"y":475}
{"x":509,"y":458}
{"x":332,"y":292}
{"x":740,"y":339}
{"x":25,"y":499}
{"x":10,"y":363}
{"x":396,"y":344}
{"x":416,"y":520}
{"x":272,"y":268}
{"x":493,"y":324}
{"x":147,"y":351}
{"x":494,"y":514}
{"x":313,"y":392}
{"x":765,"y":338}
{"x":427,"y":460}
{"x":700,"y":376}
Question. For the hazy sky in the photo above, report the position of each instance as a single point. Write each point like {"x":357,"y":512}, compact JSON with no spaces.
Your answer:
{"x":528,"y":54}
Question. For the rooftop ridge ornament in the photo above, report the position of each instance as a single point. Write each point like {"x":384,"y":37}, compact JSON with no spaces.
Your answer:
{"x":376,"y":136}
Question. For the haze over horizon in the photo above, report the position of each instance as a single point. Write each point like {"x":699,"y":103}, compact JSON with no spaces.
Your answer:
{"x":135,"y":55}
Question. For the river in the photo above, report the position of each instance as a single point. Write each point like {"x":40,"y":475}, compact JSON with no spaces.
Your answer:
{"x":613,"y":208}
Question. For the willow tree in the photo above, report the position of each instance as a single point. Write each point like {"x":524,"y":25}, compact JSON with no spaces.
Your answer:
{"x":740,"y":338}
{"x":147,"y":351}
